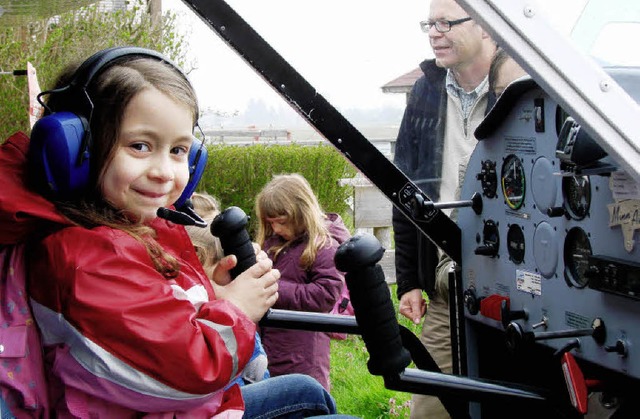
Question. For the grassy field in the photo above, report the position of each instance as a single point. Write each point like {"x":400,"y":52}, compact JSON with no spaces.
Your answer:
{"x":357,"y":392}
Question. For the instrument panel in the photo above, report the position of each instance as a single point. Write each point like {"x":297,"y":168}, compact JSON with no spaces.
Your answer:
{"x":563,"y":240}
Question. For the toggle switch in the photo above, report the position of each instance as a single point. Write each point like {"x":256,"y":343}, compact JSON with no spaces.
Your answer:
{"x":471,"y":301}
{"x":620,"y":347}
{"x":507,"y":315}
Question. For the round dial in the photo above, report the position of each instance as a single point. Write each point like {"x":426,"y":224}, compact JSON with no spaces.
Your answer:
{"x":513,"y":181}
{"x":577,"y":196}
{"x":515,"y":243}
{"x":577,"y":249}
{"x":490,"y":240}
{"x":488,"y":178}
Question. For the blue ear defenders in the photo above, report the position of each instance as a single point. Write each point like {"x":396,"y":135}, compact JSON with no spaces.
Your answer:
{"x":197,"y":162}
{"x":60,"y":144}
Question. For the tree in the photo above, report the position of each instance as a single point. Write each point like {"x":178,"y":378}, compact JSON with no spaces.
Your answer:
{"x":52,"y":44}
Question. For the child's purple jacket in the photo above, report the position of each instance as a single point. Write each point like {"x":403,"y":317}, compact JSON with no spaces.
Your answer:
{"x":316,"y":289}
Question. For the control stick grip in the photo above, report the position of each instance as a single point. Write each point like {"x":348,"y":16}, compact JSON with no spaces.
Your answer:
{"x":230,"y":227}
{"x":372,"y":304}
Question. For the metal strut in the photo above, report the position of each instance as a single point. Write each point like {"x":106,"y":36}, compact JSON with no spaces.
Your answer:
{"x":316,"y":110}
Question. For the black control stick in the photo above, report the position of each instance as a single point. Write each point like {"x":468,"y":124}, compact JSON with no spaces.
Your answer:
{"x":229,"y":227}
{"x":371,"y":301}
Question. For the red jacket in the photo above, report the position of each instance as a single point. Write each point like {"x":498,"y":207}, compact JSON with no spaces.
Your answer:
{"x":119,"y":338}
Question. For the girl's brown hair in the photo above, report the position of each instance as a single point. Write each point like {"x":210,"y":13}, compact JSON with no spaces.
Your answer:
{"x":291,"y":196}
{"x":110,"y":92}
{"x":207,"y":246}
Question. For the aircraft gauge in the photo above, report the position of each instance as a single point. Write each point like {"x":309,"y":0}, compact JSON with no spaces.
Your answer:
{"x":577,"y":196}
{"x":513,"y":181}
{"x":577,"y":249}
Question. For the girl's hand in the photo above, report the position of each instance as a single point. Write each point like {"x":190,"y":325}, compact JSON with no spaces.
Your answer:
{"x":221,"y":275}
{"x":255,"y":290}
{"x":221,"y":272}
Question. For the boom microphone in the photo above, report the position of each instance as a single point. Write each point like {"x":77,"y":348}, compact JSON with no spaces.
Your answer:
{"x":185,"y":215}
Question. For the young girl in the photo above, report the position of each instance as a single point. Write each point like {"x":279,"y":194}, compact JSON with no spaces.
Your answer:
{"x":302,"y":241}
{"x":207,"y":246}
{"x":129,"y":320}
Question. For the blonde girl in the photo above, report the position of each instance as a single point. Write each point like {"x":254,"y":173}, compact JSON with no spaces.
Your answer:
{"x":301,"y":239}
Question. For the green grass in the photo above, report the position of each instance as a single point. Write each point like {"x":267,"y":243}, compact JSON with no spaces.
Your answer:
{"x":357,"y":392}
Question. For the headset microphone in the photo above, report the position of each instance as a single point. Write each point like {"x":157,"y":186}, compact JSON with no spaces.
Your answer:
{"x":186,"y":216}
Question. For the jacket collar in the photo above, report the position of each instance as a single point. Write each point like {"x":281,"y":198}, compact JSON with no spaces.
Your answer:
{"x":23,"y":212}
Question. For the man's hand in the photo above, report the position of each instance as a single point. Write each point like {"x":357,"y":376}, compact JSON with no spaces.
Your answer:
{"x":413,"y":305}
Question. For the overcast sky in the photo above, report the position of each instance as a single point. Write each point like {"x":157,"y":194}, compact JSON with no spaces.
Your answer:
{"x":346,"y":49}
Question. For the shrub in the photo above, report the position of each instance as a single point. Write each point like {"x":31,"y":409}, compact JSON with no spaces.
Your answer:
{"x":235,"y":174}
{"x":52,"y":44}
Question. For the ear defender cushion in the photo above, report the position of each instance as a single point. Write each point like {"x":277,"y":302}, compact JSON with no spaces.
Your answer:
{"x":198,"y":156}
{"x":54,"y":149}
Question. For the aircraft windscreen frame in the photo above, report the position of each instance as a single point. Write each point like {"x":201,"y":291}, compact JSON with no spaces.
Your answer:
{"x":575,"y":80}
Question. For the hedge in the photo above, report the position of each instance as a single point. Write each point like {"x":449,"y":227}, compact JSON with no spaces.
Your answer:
{"x":235,"y":174}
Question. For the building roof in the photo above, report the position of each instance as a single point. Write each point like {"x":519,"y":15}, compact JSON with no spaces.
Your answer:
{"x":404,"y":83}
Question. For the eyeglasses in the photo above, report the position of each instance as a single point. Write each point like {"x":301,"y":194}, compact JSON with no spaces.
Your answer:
{"x":442,"y":25}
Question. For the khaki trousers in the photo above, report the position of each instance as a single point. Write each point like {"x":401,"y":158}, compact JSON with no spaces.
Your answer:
{"x":436,"y":338}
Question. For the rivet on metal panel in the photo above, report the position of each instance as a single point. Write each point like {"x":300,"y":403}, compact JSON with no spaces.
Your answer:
{"x":529,"y":11}
{"x":605,"y":85}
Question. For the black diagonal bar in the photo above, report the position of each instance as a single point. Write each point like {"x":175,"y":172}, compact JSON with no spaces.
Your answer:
{"x":312,"y":106}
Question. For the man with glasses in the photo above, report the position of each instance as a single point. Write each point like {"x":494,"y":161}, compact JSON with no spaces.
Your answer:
{"x":433,"y":146}
{"x":441,"y":25}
